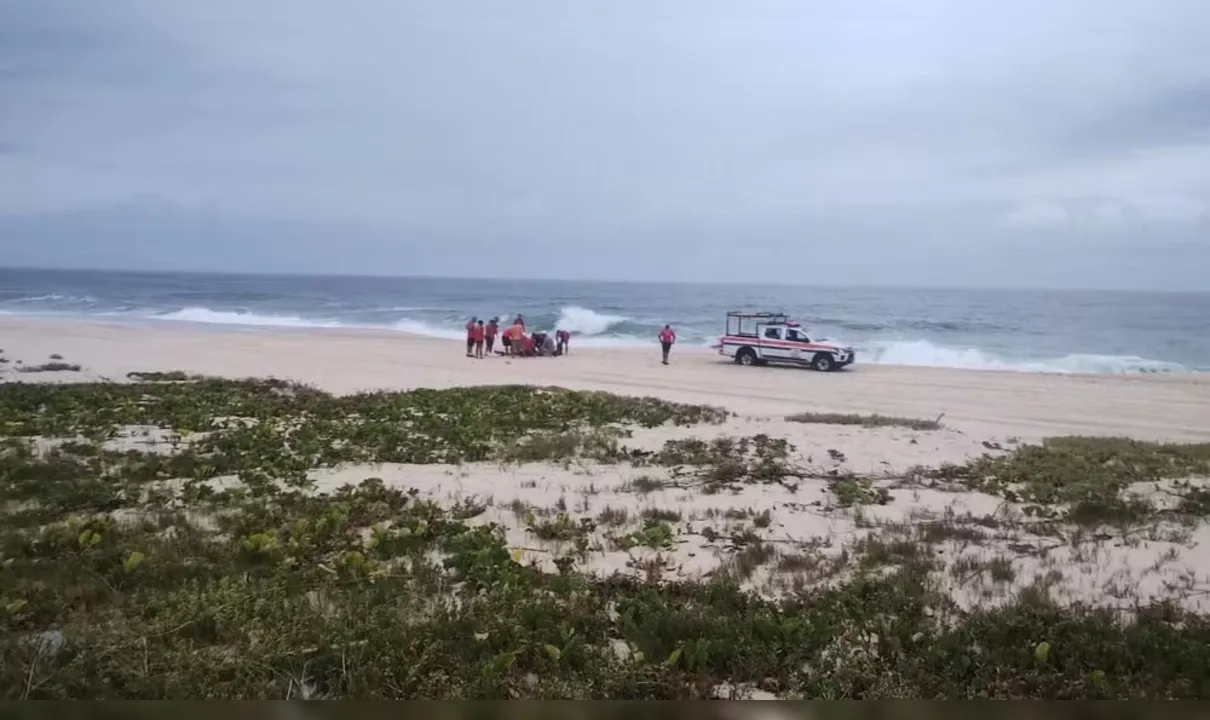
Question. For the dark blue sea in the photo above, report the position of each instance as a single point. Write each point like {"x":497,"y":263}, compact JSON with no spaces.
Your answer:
{"x":1050,"y":331}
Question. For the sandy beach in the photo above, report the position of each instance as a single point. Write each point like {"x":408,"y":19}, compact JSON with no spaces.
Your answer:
{"x":980,"y":403}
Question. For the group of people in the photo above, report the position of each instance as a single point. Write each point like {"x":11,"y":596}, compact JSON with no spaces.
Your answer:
{"x":515,"y":342}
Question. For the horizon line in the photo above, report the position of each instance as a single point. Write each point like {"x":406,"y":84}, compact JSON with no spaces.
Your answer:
{"x":617,"y":281}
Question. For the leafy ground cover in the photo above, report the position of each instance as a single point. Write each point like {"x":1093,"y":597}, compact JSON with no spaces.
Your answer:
{"x":1087,"y":479}
{"x":870,"y":421}
{"x":189,"y":558}
{"x":50,"y":367}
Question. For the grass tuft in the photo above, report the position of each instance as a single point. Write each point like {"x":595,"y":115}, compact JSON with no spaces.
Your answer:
{"x":50,"y":367}
{"x":868,"y":421}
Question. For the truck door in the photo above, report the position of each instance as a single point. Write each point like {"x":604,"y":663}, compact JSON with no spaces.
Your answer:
{"x":798,"y":352}
{"x":771,"y":347}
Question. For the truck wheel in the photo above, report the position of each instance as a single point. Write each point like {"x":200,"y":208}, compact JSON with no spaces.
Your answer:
{"x":823,"y":362}
{"x":745,"y":356}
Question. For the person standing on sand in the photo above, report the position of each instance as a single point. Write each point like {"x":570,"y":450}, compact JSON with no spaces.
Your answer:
{"x":470,"y":339}
{"x":478,"y":334}
{"x":489,"y":333}
{"x":667,"y":337}
{"x":564,"y":341}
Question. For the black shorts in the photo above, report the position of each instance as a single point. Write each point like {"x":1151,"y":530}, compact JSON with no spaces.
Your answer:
{"x":506,"y":341}
{"x":470,"y":344}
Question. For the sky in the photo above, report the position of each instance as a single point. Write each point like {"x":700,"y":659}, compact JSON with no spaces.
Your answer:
{"x":872,"y":142}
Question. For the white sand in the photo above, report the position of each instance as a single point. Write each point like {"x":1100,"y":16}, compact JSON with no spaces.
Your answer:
{"x":979,"y":407}
{"x":980,"y":403}
{"x":804,"y":525}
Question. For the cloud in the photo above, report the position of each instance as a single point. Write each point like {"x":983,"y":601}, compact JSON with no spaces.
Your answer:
{"x":607,"y":138}
{"x":1156,"y":212}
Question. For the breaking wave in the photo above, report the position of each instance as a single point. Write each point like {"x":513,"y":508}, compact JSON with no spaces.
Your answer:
{"x":235,"y":317}
{"x":582,"y":321}
{"x":921,"y":353}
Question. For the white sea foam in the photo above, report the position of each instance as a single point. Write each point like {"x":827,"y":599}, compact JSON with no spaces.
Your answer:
{"x":922,"y":353}
{"x":54,"y":298}
{"x":229,"y":317}
{"x":583,"y":321}
{"x":417,"y":327}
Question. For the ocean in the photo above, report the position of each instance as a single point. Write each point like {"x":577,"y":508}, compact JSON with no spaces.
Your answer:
{"x":1031,"y":331}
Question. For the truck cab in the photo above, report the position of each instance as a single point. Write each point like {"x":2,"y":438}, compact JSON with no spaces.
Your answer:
{"x":763,"y":338}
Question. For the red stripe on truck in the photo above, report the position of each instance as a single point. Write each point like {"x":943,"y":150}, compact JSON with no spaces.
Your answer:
{"x":758,"y":342}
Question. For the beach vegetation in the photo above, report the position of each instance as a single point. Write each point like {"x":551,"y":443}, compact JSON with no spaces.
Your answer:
{"x":210,"y":566}
{"x":50,"y":367}
{"x":613,"y":517}
{"x":1092,"y":480}
{"x":668,"y":515}
{"x":155,"y":376}
{"x":866,"y":421}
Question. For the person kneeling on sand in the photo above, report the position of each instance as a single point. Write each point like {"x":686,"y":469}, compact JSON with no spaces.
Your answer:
{"x":539,"y":340}
{"x":549,"y":348}
{"x":527,"y":345}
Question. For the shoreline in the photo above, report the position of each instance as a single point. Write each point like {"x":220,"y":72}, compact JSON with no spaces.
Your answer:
{"x":1054,"y":362}
{"x":995,"y":403}
{"x":18,"y":323}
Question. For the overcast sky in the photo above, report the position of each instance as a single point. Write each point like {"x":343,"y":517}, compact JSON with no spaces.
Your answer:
{"x":954,"y":142}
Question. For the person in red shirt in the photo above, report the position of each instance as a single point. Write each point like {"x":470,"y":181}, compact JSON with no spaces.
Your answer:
{"x":506,"y":340}
{"x":489,"y":333}
{"x":477,"y":334}
{"x":512,"y":340}
{"x":470,"y":339}
{"x":667,"y":337}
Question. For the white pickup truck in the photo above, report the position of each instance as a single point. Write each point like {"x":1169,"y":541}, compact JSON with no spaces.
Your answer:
{"x":763,"y":338}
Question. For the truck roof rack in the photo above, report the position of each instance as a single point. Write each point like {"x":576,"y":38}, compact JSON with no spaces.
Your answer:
{"x":757,"y":315}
